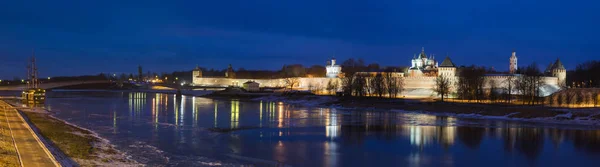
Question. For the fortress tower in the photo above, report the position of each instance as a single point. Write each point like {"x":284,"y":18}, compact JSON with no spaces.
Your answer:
{"x":513,"y":63}
{"x":197,"y":72}
{"x":559,"y":71}
{"x":230,"y":73}
{"x":447,"y":68}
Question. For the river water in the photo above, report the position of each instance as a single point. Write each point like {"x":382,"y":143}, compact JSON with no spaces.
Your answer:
{"x":166,"y":130}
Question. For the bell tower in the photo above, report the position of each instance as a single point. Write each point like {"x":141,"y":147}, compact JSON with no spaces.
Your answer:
{"x":513,"y":63}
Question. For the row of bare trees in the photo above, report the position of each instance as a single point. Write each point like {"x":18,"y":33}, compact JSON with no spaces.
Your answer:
{"x":574,"y":97}
{"x":380,"y":85}
{"x":529,"y":83}
{"x":472,"y":85}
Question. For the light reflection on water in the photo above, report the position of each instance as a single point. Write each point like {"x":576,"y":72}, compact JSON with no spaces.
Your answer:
{"x":301,"y":136}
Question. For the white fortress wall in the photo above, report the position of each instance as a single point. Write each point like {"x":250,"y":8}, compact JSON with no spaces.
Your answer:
{"x":550,"y":84}
{"x":413,"y":86}
{"x":419,"y":82}
{"x":303,"y":83}
{"x":418,"y":87}
{"x":502,"y":81}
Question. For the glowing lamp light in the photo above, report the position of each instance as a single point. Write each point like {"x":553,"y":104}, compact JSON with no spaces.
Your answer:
{"x":22,"y":80}
{"x":48,"y":78}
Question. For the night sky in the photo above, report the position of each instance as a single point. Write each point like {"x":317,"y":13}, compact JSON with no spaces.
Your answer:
{"x":88,"y":37}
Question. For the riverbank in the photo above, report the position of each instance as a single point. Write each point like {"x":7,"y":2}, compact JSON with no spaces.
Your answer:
{"x":542,"y":114}
{"x":73,"y":145}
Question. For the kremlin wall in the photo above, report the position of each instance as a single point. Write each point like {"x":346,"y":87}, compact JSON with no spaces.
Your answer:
{"x":419,"y":79}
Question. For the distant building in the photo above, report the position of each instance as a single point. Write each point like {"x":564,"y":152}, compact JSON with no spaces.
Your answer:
{"x":423,"y":65}
{"x":230,"y":73}
{"x":513,"y":63}
{"x":197,"y":73}
{"x":251,"y":86}
{"x":333,"y":70}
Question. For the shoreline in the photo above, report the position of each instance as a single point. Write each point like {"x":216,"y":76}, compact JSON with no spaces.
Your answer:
{"x":589,"y":117}
{"x":101,"y":153}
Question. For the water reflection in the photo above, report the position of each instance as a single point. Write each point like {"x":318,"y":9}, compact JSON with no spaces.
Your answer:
{"x":235,"y":114}
{"x":325,"y":136}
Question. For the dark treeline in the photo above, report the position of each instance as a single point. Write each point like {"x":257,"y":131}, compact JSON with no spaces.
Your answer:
{"x":471,"y":81}
{"x":377,"y":81}
{"x":585,"y":75}
{"x":17,"y":80}
{"x":293,"y":70}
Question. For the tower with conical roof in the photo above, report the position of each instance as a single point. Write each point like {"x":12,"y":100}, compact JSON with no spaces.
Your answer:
{"x":513,"y":63}
{"x":447,"y":68}
{"x":559,"y":71}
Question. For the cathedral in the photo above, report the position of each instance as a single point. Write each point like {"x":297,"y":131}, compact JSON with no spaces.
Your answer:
{"x":423,"y":65}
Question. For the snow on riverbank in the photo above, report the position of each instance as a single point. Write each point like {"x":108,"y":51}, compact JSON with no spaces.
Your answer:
{"x":106,"y":154}
{"x":561,"y":119}
{"x":308,"y":101}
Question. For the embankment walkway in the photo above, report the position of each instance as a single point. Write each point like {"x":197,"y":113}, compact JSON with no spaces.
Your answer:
{"x":29,"y":147}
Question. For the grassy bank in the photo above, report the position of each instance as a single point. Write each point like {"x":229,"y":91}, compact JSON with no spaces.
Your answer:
{"x":74,"y":142}
{"x":78,"y":144}
{"x":8,"y":153}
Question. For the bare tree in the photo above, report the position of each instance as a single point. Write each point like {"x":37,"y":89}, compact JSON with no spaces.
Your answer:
{"x":291,"y":82}
{"x":442,"y":86}
{"x":510,"y":85}
{"x":580,"y":98}
{"x":377,"y":83}
{"x":529,"y":84}
{"x":570,"y":98}
{"x":368,"y":87}
{"x":560,"y":99}
{"x":399,"y":86}
{"x":595,"y":98}
{"x":470,"y":83}
{"x":392,"y":84}
{"x":332,"y":86}
{"x":347,"y":85}
{"x":550,"y":100}
{"x":311,"y":87}
{"x":359,"y":85}
{"x":493,"y":91}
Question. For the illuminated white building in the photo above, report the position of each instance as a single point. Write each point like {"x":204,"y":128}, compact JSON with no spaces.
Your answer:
{"x":422,"y":64}
{"x":333,"y":70}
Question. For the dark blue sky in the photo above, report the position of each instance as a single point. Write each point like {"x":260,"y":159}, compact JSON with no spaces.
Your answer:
{"x":89,"y":37}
